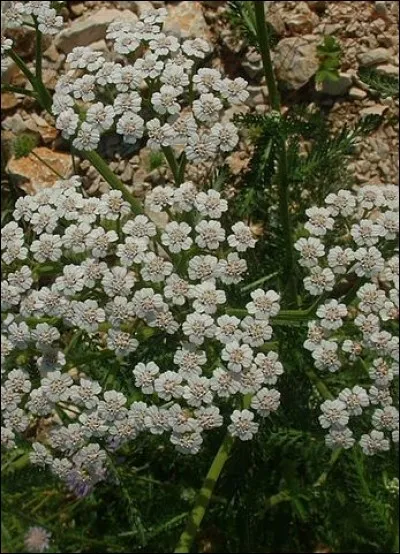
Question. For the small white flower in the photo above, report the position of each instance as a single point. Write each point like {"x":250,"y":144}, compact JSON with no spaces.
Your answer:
{"x":209,"y":234}
{"x":145,"y":374}
{"x":242,"y":237}
{"x":266,"y":401}
{"x":235,"y":92}
{"x":242,"y":425}
{"x":207,"y":297}
{"x":340,"y":438}
{"x":238,"y":357}
{"x":319,"y":221}
{"x":374,"y":442}
{"x":131,"y":127}
{"x":197,"y":327}
{"x":326,"y":356}
{"x":176,"y":237}
{"x":101,"y":117}
{"x":164,"y":102}
{"x":310,"y":250}
{"x":168,"y":385}
{"x":87,"y":138}
{"x":264,"y":304}
{"x":331,"y":314}
{"x":270,"y":366}
{"x":206,"y":109}
{"x":334,"y":414}
{"x":355,"y":399}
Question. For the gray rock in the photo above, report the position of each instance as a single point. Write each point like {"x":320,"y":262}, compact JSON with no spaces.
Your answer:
{"x":252,"y":65}
{"x":15,"y":124}
{"x":381,"y":9}
{"x":91,"y":28}
{"x":374,"y":57}
{"x":295,"y":61}
{"x":339,"y":87}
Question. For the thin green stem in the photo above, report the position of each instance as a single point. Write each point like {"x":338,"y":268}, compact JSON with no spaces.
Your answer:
{"x":18,"y":90}
{"x":262,"y":35}
{"x":42,"y":161}
{"x":173,"y":164}
{"x":319,"y":385}
{"x":203,"y":498}
{"x":204,"y":495}
{"x":102,"y":167}
{"x":39,"y":44}
{"x":283,"y":177}
{"x":42,"y":94}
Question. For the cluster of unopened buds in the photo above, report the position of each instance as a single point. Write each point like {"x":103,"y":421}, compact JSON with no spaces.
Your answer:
{"x":85,"y":273}
{"x":352,"y":243}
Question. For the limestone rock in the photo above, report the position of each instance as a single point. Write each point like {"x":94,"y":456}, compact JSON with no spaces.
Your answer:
{"x":356,"y":93}
{"x":90,"y":28}
{"x":377,"y":109}
{"x":388,"y":69}
{"x":302,"y":19}
{"x":374,"y":57}
{"x":34,"y":175}
{"x":295,"y":61}
{"x":186,"y":20}
{"x":9,"y":101}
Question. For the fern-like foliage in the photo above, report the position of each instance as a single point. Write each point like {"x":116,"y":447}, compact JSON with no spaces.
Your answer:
{"x":383,"y":85}
{"x":317,"y":165}
{"x":242,"y":18}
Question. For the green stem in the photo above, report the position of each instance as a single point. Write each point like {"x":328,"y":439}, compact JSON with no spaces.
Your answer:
{"x":173,"y":164}
{"x":38,"y":67}
{"x":18,"y":90}
{"x":102,"y":167}
{"x":262,"y":35}
{"x":319,"y":385}
{"x":283,"y":176}
{"x":42,"y":161}
{"x":43,"y":95}
{"x":289,"y":265}
{"x":204,"y":495}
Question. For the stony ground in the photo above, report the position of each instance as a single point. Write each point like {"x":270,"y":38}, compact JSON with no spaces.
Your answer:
{"x":367,"y":32}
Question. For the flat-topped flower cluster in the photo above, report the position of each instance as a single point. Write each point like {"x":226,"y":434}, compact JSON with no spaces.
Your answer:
{"x":353,"y":241}
{"x":156,"y":93}
{"x":88,"y":270}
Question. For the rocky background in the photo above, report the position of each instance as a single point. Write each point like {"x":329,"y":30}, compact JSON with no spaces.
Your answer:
{"x":366,"y":31}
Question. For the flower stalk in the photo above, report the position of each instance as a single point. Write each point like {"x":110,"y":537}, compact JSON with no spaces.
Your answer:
{"x":283,"y":177}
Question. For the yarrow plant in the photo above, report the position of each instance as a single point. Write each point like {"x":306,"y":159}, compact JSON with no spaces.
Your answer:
{"x":352,"y":239}
{"x":156,"y":290}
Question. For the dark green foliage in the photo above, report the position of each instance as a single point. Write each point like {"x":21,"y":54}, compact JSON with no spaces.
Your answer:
{"x":242,"y":18}
{"x":383,"y":85}
{"x":24,"y":144}
{"x":317,"y":161}
{"x":329,"y":54}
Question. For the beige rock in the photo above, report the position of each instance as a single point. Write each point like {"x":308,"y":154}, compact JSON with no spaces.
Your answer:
{"x":302,"y":19}
{"x":186,"y":20}
{"x":33,"y":175}
{"x":9,"y":101}
{"x":90,"y":28}
{"x":295,"y":61}
{"x":377,"y":109}
{"x":388,"y":69}
{"x":374,"y":57}
{"x":356,"y":93}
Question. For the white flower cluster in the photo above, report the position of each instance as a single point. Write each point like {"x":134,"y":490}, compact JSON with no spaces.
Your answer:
{"x":85,"y":273}
{"x":353,"y":243}
{"x":158,"y":93}
{"x":42,"y":14}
